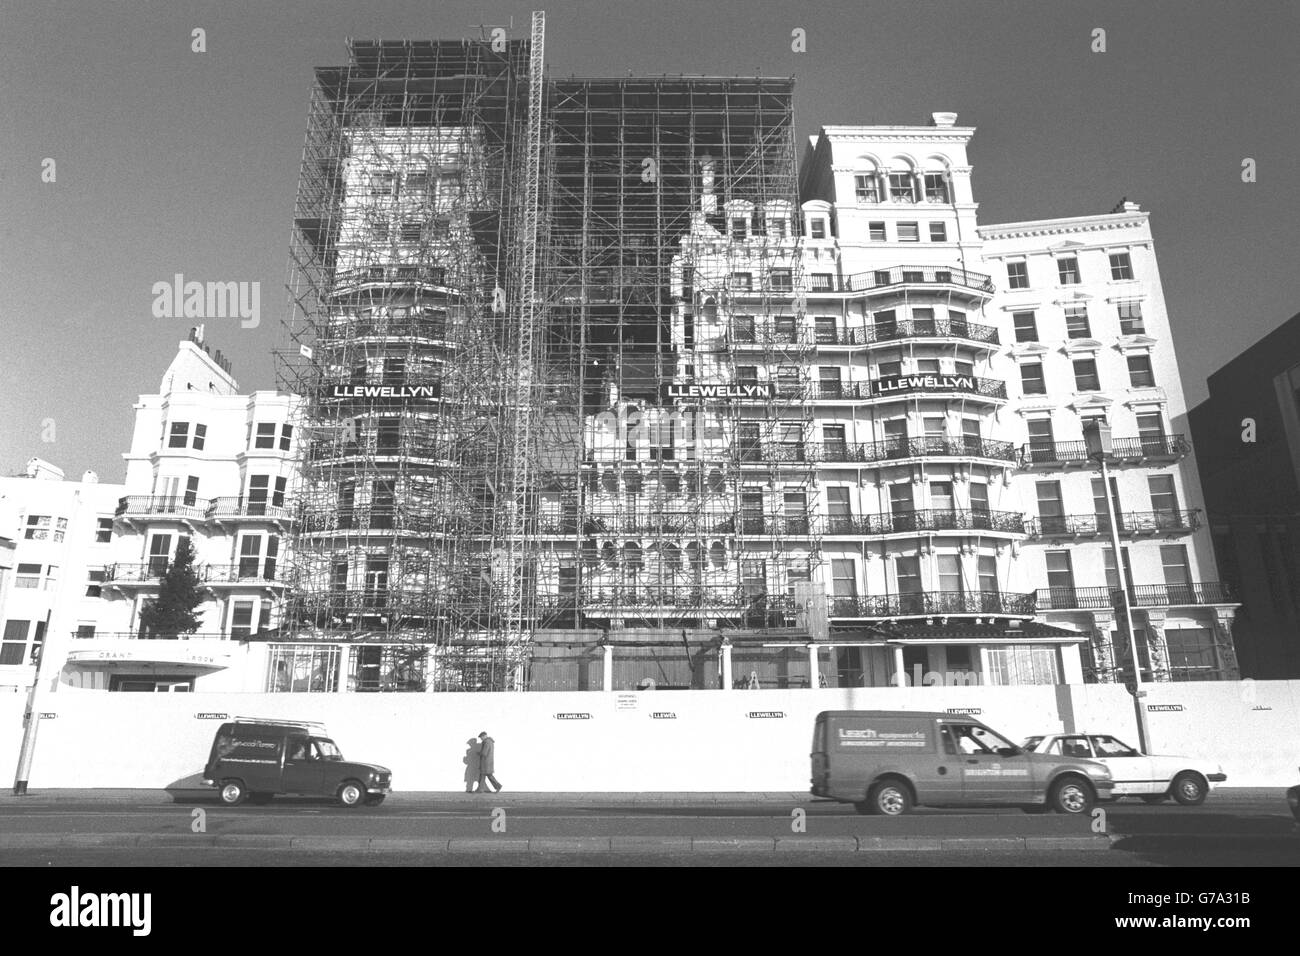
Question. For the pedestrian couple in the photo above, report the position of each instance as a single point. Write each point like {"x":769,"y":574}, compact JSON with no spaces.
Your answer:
{"x":480,"y":763}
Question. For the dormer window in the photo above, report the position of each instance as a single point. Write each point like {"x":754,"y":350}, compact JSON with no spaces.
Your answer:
{"x":817,"y":228}
{"x":739,"y":227}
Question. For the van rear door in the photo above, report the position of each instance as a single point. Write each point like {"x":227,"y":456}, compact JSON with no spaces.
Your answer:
{"x":820,"y":765}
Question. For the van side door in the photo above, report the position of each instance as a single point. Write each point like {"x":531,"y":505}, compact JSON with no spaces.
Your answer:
{"x":302,"y":773}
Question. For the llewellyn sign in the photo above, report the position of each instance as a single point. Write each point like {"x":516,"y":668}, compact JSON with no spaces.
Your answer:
{"x":923,"y":383}
{"x":388,"y":393}
{"x":698,"y":392}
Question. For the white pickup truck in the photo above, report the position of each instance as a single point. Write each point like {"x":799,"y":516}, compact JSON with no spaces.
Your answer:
{"x":1152,"y":777}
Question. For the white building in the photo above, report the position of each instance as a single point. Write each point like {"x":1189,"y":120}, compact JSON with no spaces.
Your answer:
{"x":59,"y":547}
{"x":213,"y":466}
{"x":1086,"y":336}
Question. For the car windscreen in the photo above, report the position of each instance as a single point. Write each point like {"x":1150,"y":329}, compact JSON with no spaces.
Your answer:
{"x":327,"y":749}
{"x":1031,"y":743}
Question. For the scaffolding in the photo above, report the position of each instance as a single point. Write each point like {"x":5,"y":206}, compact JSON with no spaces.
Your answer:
{"x":502,"y":289}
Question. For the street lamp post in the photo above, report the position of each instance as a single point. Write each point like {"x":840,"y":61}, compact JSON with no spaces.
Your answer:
{"x":1096,"y":435}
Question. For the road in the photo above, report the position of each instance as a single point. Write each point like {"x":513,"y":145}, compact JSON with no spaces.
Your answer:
{"x":126,"y":828}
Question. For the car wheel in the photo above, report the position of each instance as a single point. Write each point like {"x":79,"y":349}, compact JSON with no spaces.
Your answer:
{"x":351,"y":793}
{"x":233,"y":792}
{"x":1154,"y":798}
{"x":375,"y":799}
{"x":889,"y":798}
{"x":1189,"y":788}
{"x":1071,"y":795}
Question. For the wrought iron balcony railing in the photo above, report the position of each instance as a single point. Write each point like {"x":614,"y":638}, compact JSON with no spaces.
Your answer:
{"x":924,"y":521}
{"x":1162,"y":448}
{"x":1141,"y":595}
{"x":907,"y":329}
{"x":244,"y":507}
{"x":933,"y":602}
{"x":1130,"y":523}
{"x":871,"y":452}
{"x":175,"y":506}
{"x":920,"y":275}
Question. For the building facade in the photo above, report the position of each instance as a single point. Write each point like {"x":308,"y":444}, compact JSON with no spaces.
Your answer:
{"x":1247,"y":435}
{"x":213,"y":467}
{"x":60,"y":535}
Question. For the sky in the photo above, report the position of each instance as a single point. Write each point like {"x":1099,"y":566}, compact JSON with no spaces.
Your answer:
{"x":172,"y":161}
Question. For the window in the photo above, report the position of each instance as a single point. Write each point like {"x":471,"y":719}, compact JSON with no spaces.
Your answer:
{"x":785,"y":329}
{"x":1026,"y":326}
{"x":250,"y":555}
{"x":1099,"y":505}
{"x":1067,"y":268}
{"x":742,"y":328}
{"x":836,"y":444}
{"x":379,"y":230}
{"x":876,"y":231}
{"x":938,"y":232}
{"x":38,"y":527}
{"x":844,"y":585}
{"x":1051,"y":510}
{"x":383,"y":184}
{"x":411,"y":230}
{"x":1060,"y":578}
{"x":1112,"y":576}
{"x":838,"y":510}
{"x":1151,"y":432}
{"x":1031,"y":378}
{"x":286,"y":437}
{"x":1130,"y":318}
{"x":1085,"y":375}
{"x":988,"y":574}
{"x":923,"y":322}
{"x":949,"y":566}
{"x":829,"y":383}
{"x":160,"y":549}
{"x":941,"y":495}
{"x":739,"y":227}
{"x":936,"y":188}
{"x":979,"y":498}
{"x":94,"y":582}
{"x":889,"y":369}
{"x":745,"y":375}
{"x":817,"y":228}
{"x":742,"y":281}
{"x":780,"y":280}
{"x":907,"y":572}
{"x":303,"y":668}
{"x":928,"y":366}
{"x":1164,"y":497}
{"x":909,"y":232}
{"x":896,"y":436}
{"x":822,"y":282}
{"x":29,"y":576}
{"x":865,"y":188}
{"x":934,"y":426}
{"x":1140,"y":374}
{"x":265,"y":437}
{"x":1042,"y":443}
{"x":1076,"y":322}
{"x":1121,"y":267}
{"x":200,"y":436}
{"x":1173,"y":559}
{"x":1191,"y":653}
{"x":179,"y":436}
{"x":104,"y":531}
{"x":191,"y":496}
{"x":13,"y":650}
{"x":901,"y":506}
{"x":1018,"y":274}
{"x":901,"y":188}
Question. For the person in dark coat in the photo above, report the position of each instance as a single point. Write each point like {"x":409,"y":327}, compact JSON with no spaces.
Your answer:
{"x":486,"y":763}
{"x":471,"y":764}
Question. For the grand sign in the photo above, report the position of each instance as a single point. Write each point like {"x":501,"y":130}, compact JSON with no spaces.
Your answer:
{"x":694,"y":391}
{"x":923,"y":383}
{"x":389,"y":393}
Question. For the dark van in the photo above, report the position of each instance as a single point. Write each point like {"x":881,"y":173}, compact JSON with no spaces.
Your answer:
{"x":255,"y":759}
{"x":888,"y":761}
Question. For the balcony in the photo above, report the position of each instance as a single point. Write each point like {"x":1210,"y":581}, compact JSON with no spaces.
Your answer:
{"x":348,"y":281}
{"x":385,"y":520}
{"x":1140,"y":596}
{"x":253,"y":509}
{"x":682,"y":598}
{"x":349,"y":330}
{"x":940,"y":277}
{"x":1061,"y":455}
{"x":891,"y":332}
{"x":929,"y":603}
{"x":162,"y":506}
{"x":132,"y":636}
{"x":1132,"y":524}
{"x":261,"y":573}
{"x":855,"y":453}
{"x":140,"y":575}
{"x":925,"y":521}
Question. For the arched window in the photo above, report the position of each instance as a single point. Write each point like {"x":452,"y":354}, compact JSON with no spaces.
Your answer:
{"x":672,"y":558}
{"x":633,"y":562}
{"x":717,"y":556}
{"x":866,"y":183}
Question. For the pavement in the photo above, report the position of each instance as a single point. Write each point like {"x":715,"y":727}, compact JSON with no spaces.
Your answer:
{"x":192,"y":828}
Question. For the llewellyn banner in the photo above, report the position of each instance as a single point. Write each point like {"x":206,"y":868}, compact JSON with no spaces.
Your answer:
{"x":692,"y":391}
{"x":384,"y":393}
{"x":923,"y":383}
